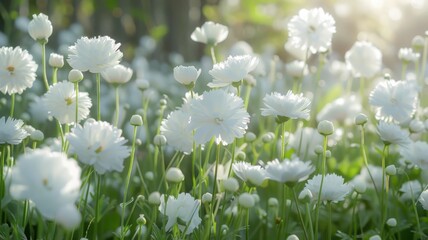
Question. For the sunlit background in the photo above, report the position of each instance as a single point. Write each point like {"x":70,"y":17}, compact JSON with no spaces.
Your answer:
{"x":164,"y":26}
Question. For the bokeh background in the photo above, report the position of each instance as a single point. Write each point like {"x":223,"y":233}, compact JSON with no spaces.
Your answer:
{"x":164,"y":26}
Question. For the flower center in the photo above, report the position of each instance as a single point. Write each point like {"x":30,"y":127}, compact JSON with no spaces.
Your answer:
{"x":393,"y":100}
{"x":218,"y":120}
{"x":312,"y":28}
{"x":11,"y":69}
{"x":99,"y":149}
{"x":45,"y":183}
{"x":68,"y":101}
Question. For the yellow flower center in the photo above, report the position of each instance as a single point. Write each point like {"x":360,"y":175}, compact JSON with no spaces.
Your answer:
{"x":218,"y":120}
{"x":11,"y":69}
{"x":99,"y":149}
{"x":68,"y":101}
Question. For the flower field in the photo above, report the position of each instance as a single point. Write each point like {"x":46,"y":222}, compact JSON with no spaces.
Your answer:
{"x":309,"y":141}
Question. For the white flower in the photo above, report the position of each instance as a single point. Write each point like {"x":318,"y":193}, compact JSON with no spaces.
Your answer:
{"x":56,"y":60}
{"x":40,"y":28}
{"x":334,"y":189}
{"x":117,"y":74}
{"x":60,"y":101}
{"x":394,"y":99}
{"x":220,"y":115}
{"x":17,"y":70}
{"x":186,"y":74}
{"x":407,"y":55}
{"x":410,"y":190}
{"x":392,"y":134}
{"x":210,"y":33}
{"x":233,"y":70}
{"x":99,"y":144}
{"x":415,"y":153}
{"x":94,"y":54}
{"x":246,"y":200}
{"x":364,"y":177}
{"x":177,"y":131}
{"x":288,"y":171}
{"x":183,"y":211}
{"x":174,"y":175}
{"x":11,"y":131}
{"x":423,"y":199}
{"x":68,"y":216}
{"x":284,"y":107}
{"x":364,"y":59}
{"x":49,"y":179}
{"x":312,"y":30}
{"x":343,"y":109}
{"x":255,"y":175}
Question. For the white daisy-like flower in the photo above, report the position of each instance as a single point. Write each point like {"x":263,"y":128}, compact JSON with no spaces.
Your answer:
{"x":40,"y":28}
{"x":295,"y":69}
{"x":94,"y":54}
{"x":311,"y":29}
{"x":407,"y":55}
{"x":220,"y":115}
{"x":99,"y":144}
{"x":410,"y":190}
{"x":60,"y":100}
{"x":423,"y":199}
{"x":394,"y":99}
{"x":334,"y":189}
{"x":284,"y":107}
{"x":255,"y":175}
{"x":11,"y":131}
{"x":47,"y":178}
{"x":117,"y":74}
{"x":17,"y":70}
{"x":183,"y":211}
{"x":343,"y":109}
{"x":391,"y":133}
{"x":210,"y":33}
{"x":177,"y":131}
{"x":186,"y":75}
{"x":233,"y":70}
{"x":364,"y":59}
{"x":288,"y":171}
{"x":415,"y":152}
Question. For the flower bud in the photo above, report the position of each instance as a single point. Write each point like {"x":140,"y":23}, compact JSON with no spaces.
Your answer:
{"x":186,"y":75}
{"x":159,"y":140}
{"x":142,"y":84}
{"x":136,"y":120}
{"x":416,"y":126}
{"x":391,"y":170}
{"x":141,"y":220}
{"x":361,"y":119}
{"x":391,"y":222}
{"x":328,"y":154}
{"x":37,"y":135}
{"x":174,"y":175}
{"x":246,"y":200}
{"x":319,"y":149}
{"x":305,"y":195}
{"x":154,"y":198}
{"x":293,"y":237}
{"x":418,"y":42}
{"x":240,"y":156}
{"x":149,"y":176}
{"x":75,"y":76}
{"x":375,"y":237}
{"x":268,"y":137}
{"x":207,"y":198}
{"x":273,"y":202}
{"x":40,"y":28}
{"x":162,"y":102}
{"x":56,"y":60}
{"x":325,"y":127}
{"x":250,"y":137}
{"x":231,"y":184}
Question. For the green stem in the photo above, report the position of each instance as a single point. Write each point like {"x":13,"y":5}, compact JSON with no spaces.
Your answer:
{"x":403,"y":70}
{"x":25,"y":214}
{"x":116,"y":119}
{"x":217,"y":160}
{"x":76,"y":89}
{"x":300,"y":214}
{"x":128,"y":178}
{"x":54,"y":75}
{"x":363,"y":152}
{"x":354,"y":222}
{"x":247,"y":96}
{"x":45,"y":78}
{"x":283,"y":140}
{"x":2,"y":183}
{"x":12,"y":104}
{"x":382,"y":193}
{"x":98,"y":80}
{"x":424,"y":62}
{"x":323,"y":166}
{"x":97,"y":206}
{"x":247,"y":224}
{"x":329,"y":220}
{"x":213,"y":55}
